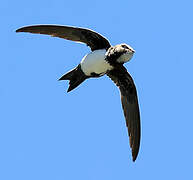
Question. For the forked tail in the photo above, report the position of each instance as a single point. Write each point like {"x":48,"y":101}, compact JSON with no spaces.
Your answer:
{"x":75,"y":76}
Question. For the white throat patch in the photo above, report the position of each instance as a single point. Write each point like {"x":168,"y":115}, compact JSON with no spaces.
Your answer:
{"x":95,"y":62}
{"x":125,"y":57}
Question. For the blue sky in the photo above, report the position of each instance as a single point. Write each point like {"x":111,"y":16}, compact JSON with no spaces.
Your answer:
{"x":48,"y":134}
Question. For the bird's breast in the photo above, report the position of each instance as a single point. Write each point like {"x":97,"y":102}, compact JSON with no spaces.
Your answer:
{"x":95,"y":62}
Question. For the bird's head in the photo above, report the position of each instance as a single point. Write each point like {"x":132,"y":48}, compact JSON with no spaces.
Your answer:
{"x":126,"y":52}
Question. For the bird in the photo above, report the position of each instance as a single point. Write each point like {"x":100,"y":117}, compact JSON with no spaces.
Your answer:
{"x":104,"y":59}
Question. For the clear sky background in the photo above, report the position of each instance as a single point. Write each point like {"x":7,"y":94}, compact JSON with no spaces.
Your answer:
{"x":48,"y":134}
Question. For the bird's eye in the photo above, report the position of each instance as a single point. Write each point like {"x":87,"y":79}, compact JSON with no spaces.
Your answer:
{"x":124,"y":46}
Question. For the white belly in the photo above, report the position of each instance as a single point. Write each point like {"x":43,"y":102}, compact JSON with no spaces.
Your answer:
{"x":94,"y":62}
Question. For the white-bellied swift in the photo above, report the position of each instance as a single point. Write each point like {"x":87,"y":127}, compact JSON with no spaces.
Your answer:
{"x":104,"y":59}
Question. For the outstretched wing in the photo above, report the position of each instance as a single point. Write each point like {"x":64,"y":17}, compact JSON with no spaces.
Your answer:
{"x":129,"y":100}
{"x":91,"y":38}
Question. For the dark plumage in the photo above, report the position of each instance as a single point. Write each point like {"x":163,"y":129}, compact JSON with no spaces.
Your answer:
{"x":124,"y":81}
{"x":87,"y":36}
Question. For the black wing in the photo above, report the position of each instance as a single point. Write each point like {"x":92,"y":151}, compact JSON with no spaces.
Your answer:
{"x":91,"y":38}
{"x":124,"y":81}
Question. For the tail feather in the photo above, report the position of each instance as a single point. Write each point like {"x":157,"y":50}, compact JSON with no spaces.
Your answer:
{"x":75,"y":76}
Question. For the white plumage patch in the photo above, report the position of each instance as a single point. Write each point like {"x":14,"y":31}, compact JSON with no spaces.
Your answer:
{"x":95,"y":62}
{"x":125,"y":57}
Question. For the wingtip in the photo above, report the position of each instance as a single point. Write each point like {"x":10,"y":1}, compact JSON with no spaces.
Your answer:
{"x":134,"y":155}
{"x":23,"y":29}
{"x":18,"y":30}
{"x":134,"y":158}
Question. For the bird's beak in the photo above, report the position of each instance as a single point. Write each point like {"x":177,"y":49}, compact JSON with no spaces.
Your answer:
{"x":133,"y":51}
